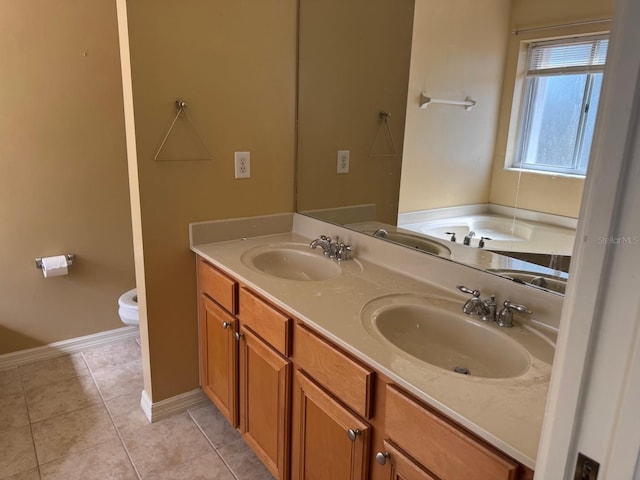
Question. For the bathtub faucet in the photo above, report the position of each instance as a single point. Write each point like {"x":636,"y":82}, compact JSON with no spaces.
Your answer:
{"x":467,"y":239}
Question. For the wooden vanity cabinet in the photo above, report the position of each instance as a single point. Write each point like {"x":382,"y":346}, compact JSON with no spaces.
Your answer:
{"x":332,"y":393}
{"x":243,"y":365}
{"x":310,"y":411}
{"x":265,"y":381}
{"x":218,"y":346}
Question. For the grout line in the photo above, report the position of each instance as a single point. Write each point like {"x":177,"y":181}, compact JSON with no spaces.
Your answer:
{"x":26,"y":406}
{"x":233,"y":474}
{"x":104,"y":403}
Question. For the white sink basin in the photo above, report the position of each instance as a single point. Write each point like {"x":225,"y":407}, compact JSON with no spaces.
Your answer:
{"x":542,"y":280}
{"x":436,"y":332}
{"x":293,"y":261}
{"x":418,"y":242}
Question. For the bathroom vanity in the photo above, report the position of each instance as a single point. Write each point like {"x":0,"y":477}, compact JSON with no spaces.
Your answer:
{"x":319,"y":387}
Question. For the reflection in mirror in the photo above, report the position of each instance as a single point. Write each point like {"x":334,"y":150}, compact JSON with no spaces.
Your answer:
{"x":441,"y":179}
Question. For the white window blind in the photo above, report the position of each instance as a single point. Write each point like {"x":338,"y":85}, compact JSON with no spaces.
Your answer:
{"x":584,"y":55}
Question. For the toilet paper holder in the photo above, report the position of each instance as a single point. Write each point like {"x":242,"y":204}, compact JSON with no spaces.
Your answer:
{"x":70,"y":259}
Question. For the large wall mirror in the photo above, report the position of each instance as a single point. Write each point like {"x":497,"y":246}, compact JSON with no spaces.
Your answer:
{"x":408,"y":125}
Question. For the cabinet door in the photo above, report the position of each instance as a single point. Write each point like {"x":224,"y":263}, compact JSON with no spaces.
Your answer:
{"x":219,"y":362}
{"x":329,"y":442}
{"x":265,"y":390}
{"x":400,"y":466}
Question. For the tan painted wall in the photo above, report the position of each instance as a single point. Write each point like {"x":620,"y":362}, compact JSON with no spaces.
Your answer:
{"x":63,"y":171}
{"x":352,"y":66}
{"x":458,"y":50}
{"x":234,"y":63}
{"x":560,"y":195}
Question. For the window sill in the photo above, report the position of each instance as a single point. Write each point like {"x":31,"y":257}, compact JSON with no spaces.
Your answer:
{"x":546,"y":173}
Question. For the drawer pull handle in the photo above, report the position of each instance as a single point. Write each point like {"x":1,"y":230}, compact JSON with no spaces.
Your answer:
{"x":226,"y":325}
{"x":353,"y":434}
{"x":382,"y":457}
{"x":239,"y":335}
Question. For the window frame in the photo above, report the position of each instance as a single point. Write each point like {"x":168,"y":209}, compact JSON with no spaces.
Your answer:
{"x":527,"y":92}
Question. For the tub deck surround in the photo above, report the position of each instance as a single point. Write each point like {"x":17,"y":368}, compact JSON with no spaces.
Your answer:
{"x":507,"y":413}
{"x":482,"y":258}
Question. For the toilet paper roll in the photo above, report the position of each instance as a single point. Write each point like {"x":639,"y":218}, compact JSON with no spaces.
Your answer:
{"x":54,"y":266}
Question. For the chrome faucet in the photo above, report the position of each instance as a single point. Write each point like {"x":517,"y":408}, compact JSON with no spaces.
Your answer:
{"x":324,"y":242}
{"x":380,"y":233}
{"x":453,"y":236}
{"x":539,"y":282}
{"x":485,"y":309}
{"x":505,"y":316}
{"x":335,"y":250}
{"x":467,"y":239}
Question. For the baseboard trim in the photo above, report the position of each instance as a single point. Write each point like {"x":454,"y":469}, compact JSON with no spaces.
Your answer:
{"x":65,"y":347}
{"x":169,"y":406}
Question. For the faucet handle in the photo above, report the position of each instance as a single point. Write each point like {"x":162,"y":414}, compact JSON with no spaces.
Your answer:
{"x":463,"y":289}
{"x":516,"y":307}
{"x":505,"y":317}
{"x":481,"y":242}
{"x":343,"y":251}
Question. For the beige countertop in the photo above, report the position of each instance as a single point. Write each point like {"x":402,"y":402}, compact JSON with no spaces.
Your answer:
{"x":507,"y":413}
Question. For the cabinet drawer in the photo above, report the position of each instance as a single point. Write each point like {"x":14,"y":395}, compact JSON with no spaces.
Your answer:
{"x":217,"y":285}
{"x":344,"y":377}
{"x":442,"y":448}
{"x":270,"y":324}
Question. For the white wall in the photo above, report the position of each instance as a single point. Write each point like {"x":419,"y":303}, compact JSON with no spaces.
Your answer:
{"x":458,"y":50}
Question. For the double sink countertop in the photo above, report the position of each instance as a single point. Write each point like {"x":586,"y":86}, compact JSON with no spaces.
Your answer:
{"x":506,"y":412}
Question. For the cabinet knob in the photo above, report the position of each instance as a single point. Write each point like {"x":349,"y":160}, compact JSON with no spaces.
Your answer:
{"x":381,"y":457}
{"x":353,"y":434}
{"x":238,"y":336}
{"x":226,"y":325}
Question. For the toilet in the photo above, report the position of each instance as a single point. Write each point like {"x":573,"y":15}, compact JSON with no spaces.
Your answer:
{"x":128,"y":308}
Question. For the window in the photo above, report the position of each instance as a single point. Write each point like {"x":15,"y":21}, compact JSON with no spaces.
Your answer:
{"x":560,"y":103}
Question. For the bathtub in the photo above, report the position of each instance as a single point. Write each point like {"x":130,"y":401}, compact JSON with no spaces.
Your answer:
{"x":505,"y":233}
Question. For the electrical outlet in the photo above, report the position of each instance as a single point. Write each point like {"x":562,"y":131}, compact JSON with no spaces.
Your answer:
{"x":586,"y":468}
{"x":343,"y":161}
{"x":242,"y":164}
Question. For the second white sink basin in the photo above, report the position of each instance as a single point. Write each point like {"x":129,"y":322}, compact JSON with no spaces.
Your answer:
{"x":550,"y":282}
{"x":435,"y":331}
{"x":418,"y":242}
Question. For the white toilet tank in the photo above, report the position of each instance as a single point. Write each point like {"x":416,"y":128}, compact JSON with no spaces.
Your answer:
{"x":128,"y":308}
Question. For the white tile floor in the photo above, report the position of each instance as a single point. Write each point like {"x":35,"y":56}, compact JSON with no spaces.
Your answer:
{"x":79,"y":417}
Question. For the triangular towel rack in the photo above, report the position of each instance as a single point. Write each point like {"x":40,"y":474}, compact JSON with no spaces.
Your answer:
{"x":181,"y":106}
